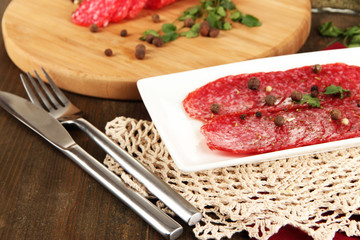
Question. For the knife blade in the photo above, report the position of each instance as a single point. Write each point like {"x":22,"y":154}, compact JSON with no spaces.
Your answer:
{"x":50,"y":129}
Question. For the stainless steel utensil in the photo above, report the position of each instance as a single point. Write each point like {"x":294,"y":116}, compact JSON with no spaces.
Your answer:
{"x":49,"y":128}
{"x":62,"y":109}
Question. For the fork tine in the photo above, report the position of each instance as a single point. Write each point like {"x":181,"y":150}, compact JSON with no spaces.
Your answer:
{"x":56,"y":90}
{"x":53,"y":100}
{"x":40,"y":94}
{"x":29,"y":91}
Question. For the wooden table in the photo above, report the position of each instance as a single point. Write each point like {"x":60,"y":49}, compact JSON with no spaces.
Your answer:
{"x":44,"y":195}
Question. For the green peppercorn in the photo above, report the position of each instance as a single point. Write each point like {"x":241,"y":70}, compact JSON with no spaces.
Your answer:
{"x":316,"y":68}
{"x":279,"y":120}
{"x":270,"y":100}
{"x":215,"y":108}
{"x":254,"y":83}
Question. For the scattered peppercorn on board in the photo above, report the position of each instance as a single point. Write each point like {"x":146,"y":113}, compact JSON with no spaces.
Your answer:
{"x":39,"y":33}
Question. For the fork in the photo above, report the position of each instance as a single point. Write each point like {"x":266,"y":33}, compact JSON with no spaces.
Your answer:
{"x":60,"y":107}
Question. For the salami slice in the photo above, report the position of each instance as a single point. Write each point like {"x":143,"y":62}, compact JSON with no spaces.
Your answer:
{"x":135,"y":7}
{"x":156,"y":4}
{"x":232,"y":93}
{"x":97,"y":12}
{"x":251,"y":133}
{"x":122,"y":10}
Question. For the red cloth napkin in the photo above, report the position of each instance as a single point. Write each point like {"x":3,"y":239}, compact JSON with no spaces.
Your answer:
{"x":291,"y":233}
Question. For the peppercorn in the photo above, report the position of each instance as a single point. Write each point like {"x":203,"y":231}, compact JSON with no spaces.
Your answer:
{"x":279,"y":120}
{"x":108,"y":52}
{"x":270,"y":100}
{"x":242,"y":116}
{"x":188,"y":22}
{"x":316,"y":68}
{"x":204,"y":28}
{"x":214,"y":32}
{"x":358,"y":104}
{"x":123,"y":33}
{"x":155,"y":18}
{"x":215,"y":108}
{"x":158,"y":42}
{"x":314,"y":88}
{"x":149,"y":38}
{"x":335,"y":114}
{"x":254,"y":83}
{"x":140,"y":51}
{"x":94,"y":28}
{"x":296,"y":96}
{"x":314,"y":93}
{"x":258,"y":114}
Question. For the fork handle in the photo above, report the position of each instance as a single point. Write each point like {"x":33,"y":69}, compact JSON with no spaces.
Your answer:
{"x":160,"y":221}
{"x":154,"y":184}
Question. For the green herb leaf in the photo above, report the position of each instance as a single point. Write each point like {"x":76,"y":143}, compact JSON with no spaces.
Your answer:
{"x":170,"y":36}
{"x":313,"y":102}
{"x":335,"y":90}
{"x":250,"y":21}
{"x":352,"y":31}
{"x":192,"y":12}
{"x":227,"y":5}
{"x":227,"y":26}
{"x":214,"y":20}
{"x":193,"y":32}
{"x":236,"y":16}
{"x":329,"y":30}
{"x":221,"y":11}
{"x":149,"y":32}
{"x":168,"y":28}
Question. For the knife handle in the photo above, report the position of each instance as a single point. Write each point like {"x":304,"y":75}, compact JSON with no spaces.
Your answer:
{"x":155,"y":217}
{"x":154,"y":184}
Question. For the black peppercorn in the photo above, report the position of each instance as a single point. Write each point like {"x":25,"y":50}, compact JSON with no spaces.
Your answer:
{"x":296,"y":96}
{"x":279,"y":120}
{"x":270,"y":100}
{"x":108,"y":52}
{"x":140,"y":51}
{"x":156,"y":18}
{"x":93,"y":28}
{"x":214,"y":32}
{"x":188,"y":22}
{"x":204,"y":28}
{"x":215,"y":108}
{"x":158,"y":42}
{"x":314,"y":93}
{"x":314,"y":88}
{"x":316,"y":68}
{"x":149,"y":38}
{"x":258,"y":114}
{"x":254,"y":83}
{"x":123,"y":33}
{"x":335,"y":114}
{"x":242,"y":116}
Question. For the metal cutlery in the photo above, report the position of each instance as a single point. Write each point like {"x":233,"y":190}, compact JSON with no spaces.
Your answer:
{"x":60,"y":107}
{"x":49,"y":128}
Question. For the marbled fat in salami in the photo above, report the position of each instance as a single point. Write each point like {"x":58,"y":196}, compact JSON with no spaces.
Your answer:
{"x":233,"y":94}
{"x":253,"y":134}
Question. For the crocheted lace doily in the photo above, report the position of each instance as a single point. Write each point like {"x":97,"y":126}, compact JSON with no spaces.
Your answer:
{"x":319,"y":194}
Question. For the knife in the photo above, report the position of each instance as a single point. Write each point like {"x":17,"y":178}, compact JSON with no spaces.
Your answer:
{"x":49,"y":128}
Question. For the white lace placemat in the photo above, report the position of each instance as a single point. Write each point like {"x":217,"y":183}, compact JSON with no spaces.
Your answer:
{"x":319,"y":194}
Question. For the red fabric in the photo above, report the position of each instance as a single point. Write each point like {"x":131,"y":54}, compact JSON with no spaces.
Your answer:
{"x":291,"y":233}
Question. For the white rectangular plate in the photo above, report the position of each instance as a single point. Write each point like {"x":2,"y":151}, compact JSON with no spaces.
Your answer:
{"x":163,"y":96}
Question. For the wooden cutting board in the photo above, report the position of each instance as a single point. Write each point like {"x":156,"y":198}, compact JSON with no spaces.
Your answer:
{"x":40,"y":33}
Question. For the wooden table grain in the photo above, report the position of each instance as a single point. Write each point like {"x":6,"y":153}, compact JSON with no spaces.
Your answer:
{"x":44,"y":195}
